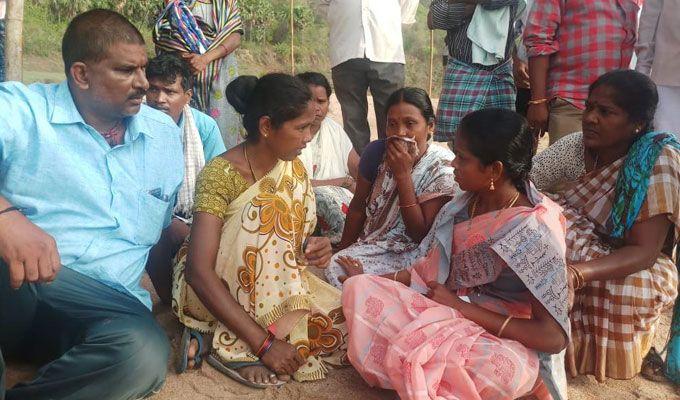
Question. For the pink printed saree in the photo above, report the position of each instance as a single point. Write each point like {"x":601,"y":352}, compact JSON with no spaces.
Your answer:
{"x":401,"y":340}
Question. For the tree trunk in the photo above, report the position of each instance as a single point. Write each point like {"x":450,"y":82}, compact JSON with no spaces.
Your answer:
{"x":14,"y":21}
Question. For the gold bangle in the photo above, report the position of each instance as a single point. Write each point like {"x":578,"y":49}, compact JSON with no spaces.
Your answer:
{"x":580,"y":280}
{"x":570,"y":269}
{"x":500,"y":331}
{"x":408,"y":206}
{"x":538,"y":101}
{"x":396,"y":274}
{"x":577,"y":284}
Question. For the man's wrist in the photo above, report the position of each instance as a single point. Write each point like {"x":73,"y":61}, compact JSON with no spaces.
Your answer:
{"x":9,"y":210}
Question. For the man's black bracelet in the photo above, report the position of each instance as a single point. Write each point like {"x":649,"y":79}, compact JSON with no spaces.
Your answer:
{"x":24,"y":210}
{"x":9,"y":209}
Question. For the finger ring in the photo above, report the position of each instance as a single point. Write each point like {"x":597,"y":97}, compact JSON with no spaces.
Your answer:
{"x":272,"y":376}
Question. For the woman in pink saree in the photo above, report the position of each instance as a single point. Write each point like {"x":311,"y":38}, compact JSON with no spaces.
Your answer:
{"x":473,"y":318}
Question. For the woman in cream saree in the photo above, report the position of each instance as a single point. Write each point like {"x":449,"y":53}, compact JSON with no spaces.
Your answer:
{"x":260,"y":259}
{"x":251,"y":288}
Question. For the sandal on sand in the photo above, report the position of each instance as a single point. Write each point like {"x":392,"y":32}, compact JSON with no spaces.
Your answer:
{"x":653,"y":367}
{"x":230,"y":370}
{"x":183,"y":359}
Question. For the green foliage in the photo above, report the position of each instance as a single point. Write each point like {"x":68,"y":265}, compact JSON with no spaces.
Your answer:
{"x":42,"y":32}
{"x":141,"y":12}
{"x":267,"y":21}
{"x":258,"y":19}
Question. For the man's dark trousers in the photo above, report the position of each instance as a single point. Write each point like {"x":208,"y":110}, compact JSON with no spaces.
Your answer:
{"x":102,"y":343}
{"x":351,"y":80}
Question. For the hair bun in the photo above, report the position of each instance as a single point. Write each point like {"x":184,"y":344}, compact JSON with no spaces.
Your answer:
{"x":239,"y":91}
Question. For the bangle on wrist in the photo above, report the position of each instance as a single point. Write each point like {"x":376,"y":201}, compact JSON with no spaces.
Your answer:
{"x":538,"y":101}
{"x":580,"y":280}
{"x":266,"y":345}
{"x":408,"y":205}
{"x":507,"y":320}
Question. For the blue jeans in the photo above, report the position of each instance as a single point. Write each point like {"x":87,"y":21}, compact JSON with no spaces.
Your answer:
{"x":99,"y":343}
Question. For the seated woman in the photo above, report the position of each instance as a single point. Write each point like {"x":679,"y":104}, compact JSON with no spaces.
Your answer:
{"x":495,"y":284}
{"x":622,"y":204}
{"x":331,"y":162}
{"x":242,"y":274}
{"x":403,"y":183}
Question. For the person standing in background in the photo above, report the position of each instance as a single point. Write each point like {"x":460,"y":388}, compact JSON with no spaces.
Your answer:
{"x":367,"y":51}
{"x":569,"y":45}
{"x":206,"y":33}
{"x":480,"y":39}
{"x":658,"y":52}
{"x":520,"y":65}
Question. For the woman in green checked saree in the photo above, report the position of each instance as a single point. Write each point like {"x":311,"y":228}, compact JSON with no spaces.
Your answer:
{"x":621,"y":199}
{"x":206,"y":33}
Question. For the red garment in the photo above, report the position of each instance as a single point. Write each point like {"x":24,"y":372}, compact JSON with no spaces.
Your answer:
{"x":586,"y":38}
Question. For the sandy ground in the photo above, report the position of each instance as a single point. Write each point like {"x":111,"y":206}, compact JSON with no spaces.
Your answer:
{"x":346,"y":384}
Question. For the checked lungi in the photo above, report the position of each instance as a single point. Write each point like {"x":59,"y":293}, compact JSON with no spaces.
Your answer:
{"x":467,"y":88}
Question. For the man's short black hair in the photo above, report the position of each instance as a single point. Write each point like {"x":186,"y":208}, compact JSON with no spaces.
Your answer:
{"x":167,"y":67}
{"x":90,"y":34}
{"x":317,"y":79}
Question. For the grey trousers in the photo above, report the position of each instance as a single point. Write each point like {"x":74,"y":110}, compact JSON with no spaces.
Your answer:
{"x":564,"y":119}
{"x":351,"y":81}
{"x":102,"y":343}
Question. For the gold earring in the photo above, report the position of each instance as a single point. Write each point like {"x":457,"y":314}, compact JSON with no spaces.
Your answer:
{"x":491,"y":186}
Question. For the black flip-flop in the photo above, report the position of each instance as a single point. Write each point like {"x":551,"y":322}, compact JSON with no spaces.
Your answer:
{"x":231,"y":370}
{"x":183,"y":359}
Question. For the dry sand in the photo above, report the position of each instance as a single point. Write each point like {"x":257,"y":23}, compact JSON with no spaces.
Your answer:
{"x":346,"y":384}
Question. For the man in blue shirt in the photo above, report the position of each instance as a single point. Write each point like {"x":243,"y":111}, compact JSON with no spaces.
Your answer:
{"x":88,"y":178}
{"x":170,"y":91}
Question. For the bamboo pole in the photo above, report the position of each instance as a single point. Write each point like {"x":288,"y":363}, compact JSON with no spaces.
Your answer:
{"x":14,"y":20}
{"x":429,"y":91}
{"x":292,"y":37}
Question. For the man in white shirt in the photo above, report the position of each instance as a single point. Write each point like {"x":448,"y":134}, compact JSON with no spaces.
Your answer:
{"x":658,"y":52}
{"x":367,"y":51}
